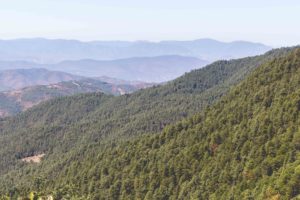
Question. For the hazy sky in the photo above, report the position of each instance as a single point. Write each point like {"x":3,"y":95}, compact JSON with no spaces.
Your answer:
{"x":274,"y":22}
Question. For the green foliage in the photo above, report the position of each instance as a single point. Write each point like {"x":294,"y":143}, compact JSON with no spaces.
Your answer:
{"x":246,"y":146}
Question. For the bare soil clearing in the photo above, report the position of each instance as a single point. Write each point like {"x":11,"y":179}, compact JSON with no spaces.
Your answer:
{"x":34,"y":159}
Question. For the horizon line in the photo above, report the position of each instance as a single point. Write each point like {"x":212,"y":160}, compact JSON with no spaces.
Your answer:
{"x":136,"y":41}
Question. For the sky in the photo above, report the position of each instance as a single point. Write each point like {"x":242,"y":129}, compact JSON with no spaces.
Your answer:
{"x":272,"y":22}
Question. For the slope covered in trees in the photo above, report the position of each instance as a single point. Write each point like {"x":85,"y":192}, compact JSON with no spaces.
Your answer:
{"x":84,"y":157}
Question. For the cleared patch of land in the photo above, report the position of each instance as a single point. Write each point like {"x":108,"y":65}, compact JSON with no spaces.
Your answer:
{"x":34,"y":159}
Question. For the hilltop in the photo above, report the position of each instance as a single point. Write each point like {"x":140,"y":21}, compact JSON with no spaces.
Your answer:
{"x":16,"y":101}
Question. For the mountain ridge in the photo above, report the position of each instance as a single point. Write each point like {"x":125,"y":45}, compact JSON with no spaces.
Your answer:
{"x":42,"y":50}
{"x":16,"y":101}
{"x":18,"y":78}
{"x":146,"y":69}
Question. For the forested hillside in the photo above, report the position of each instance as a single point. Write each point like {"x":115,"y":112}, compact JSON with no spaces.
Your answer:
{"x":82,"y":137}
{"x":247,"y":146}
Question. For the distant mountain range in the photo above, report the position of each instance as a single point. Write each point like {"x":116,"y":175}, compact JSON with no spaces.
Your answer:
{"x":141,"y":60}
{"x":146,"y":69}
{"x":44,"y":51}
{"x":149,"y":69}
